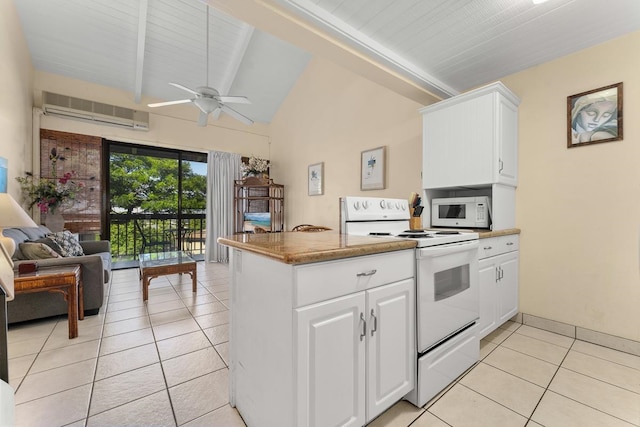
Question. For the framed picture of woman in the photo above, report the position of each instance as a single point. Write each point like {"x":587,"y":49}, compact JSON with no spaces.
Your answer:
{"x":595,"y":116}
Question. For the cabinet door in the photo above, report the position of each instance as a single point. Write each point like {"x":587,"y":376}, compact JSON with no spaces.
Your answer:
{"x":507,"y":137}
{"x":331,"y":362}
{"x":458,"y":144}
{"x":488,"y":297}
{"x":508,"y":286}
{"x":391,"y":348}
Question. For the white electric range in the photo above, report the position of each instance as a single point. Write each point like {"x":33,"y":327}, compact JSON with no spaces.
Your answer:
{"x":447,"y":294}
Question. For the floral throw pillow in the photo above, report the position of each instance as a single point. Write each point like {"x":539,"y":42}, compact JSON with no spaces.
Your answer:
{"x":67,"y":242}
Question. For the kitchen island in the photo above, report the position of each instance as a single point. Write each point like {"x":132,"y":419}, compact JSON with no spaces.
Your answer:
{"x":322,"y":327}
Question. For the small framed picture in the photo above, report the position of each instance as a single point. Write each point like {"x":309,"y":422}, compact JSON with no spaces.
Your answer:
{"x":372,"y":169}
{"x":594,"y":116}
{"x":316,"y":179}
{"x":3,"y":174}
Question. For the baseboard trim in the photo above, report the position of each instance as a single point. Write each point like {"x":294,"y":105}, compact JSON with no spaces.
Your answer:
{"x":582,"y":334}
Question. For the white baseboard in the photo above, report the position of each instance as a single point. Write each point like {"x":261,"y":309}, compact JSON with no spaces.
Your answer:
{"x":582,"y":334}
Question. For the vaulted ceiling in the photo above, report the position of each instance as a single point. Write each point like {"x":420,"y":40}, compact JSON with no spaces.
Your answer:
{"x":259,"y":48}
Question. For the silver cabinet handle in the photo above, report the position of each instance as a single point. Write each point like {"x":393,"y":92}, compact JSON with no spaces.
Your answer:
{"x":375,"y":322}
{"x":486,"y":248}
{"x":367,"y":273}
{"x":509,"y":243}
{"x":501,"y":165}
{"x":364,"y":327}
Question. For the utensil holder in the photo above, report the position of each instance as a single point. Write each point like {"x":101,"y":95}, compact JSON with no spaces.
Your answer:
{"x":415,"y":222}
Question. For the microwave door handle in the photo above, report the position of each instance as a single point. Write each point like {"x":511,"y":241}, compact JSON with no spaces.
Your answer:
{"x":447,"y":250}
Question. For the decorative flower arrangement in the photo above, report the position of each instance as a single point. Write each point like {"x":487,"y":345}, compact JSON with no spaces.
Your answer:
{"x":255,"y":167}
{"x":50,"y":194}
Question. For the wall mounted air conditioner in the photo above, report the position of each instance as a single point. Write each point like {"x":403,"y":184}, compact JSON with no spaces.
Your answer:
{"x":81,"y":109}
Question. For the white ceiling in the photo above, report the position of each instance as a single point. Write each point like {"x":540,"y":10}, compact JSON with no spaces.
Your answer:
{"x":441,"y":46}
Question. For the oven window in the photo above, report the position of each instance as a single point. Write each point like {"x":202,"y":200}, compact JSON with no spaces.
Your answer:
{"x":451,"y":282}
{"x":452,"y":211}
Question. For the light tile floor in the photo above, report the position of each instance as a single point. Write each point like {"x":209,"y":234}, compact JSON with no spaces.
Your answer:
{"x":165,"y":364}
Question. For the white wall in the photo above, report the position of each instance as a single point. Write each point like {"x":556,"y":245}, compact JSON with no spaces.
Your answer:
{"x":331,"y":116}
{"x":16,"y":75}
{"x":579,"y":208}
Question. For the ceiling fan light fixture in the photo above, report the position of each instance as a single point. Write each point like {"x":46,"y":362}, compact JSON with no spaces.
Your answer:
{"x":206,"y":105}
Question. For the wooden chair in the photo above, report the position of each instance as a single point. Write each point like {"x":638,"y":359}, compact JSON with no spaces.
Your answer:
{"x":193,"y":238}
{"x":150,"y":241}
{"x":309,"y":227}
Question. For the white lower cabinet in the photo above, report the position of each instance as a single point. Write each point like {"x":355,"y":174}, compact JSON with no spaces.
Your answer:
{"x":355,"y":355}
{"x":324,"y":344}
{"x":498,"y":264}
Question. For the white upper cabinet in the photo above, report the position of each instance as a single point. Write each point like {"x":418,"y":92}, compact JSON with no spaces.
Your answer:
{"x":471,"y":139}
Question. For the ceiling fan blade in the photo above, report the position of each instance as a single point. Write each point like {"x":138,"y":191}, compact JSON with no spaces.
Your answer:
{"x":202,"y":120}
{"x":184,"y":88}
{"x":233,"y":113}
{"x":235,"y":99}
{"x":164,"y":104}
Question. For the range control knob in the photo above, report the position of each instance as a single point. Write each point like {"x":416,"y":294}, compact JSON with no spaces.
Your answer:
{"x":356,"y":205}
{"x":365,"y":204}
{"x":383,"y":205}
{"x":398,"y":205}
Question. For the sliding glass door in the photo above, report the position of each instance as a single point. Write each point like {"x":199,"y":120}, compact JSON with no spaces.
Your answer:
{"x":156,"y":201}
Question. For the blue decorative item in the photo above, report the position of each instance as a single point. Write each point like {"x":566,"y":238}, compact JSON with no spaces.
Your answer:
{"x":4,"y":165}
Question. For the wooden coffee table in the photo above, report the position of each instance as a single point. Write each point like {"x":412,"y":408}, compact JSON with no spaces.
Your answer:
{"x":66,"y":280}
{"x":164,"y":263}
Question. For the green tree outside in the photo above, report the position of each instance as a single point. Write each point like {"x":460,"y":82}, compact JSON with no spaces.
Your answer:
{"x":149,"y":185}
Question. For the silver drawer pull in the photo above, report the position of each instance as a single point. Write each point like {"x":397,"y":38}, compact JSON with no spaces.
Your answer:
{"x":486,"y":248}
{"x":509,"y":243}
{"x":367,"y":273}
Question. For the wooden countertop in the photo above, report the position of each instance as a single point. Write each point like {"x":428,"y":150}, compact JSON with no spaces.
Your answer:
{"x":302,"y":248}
{"x":484,"y":234}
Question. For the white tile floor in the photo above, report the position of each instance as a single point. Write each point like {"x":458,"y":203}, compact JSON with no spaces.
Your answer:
{"x":165,"y":364}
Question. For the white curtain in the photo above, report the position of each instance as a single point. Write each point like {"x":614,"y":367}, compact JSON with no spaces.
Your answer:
{"x":222,"y":169}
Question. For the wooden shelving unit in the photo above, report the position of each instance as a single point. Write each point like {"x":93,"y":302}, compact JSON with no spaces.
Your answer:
{"x":259,"y":206}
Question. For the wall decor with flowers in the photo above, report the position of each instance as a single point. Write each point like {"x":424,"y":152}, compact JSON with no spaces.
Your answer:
{"x":69,"y":181}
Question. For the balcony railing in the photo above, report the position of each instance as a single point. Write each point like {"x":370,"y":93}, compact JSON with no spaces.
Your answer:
{"x":155,"y":233}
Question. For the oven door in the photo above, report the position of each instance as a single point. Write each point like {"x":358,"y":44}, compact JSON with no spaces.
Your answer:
{"x":447,"y":291}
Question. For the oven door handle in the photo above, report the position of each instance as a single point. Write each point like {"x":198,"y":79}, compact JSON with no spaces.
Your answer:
{"x":447,"y":249}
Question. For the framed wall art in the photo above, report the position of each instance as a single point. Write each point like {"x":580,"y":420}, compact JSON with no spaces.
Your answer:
{"x":315,"y":179}
{"x":4,"y":165}
{"x":595,"y":116}
{"x":372,"y":169}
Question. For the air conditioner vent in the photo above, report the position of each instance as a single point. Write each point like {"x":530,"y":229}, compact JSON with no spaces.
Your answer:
{"x":86,"y":110}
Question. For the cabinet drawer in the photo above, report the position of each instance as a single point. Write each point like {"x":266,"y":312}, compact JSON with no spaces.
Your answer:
{"x":498,"y":245}
{"x":322,"y":281}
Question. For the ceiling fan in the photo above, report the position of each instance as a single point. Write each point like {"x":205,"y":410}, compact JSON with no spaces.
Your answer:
{"x":207,"y":99}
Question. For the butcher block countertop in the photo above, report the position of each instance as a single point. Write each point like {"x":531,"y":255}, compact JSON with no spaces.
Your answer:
{"x":303,"y":248}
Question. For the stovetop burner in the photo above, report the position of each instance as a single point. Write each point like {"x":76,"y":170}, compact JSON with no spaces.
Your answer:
{"x":413,"y":235}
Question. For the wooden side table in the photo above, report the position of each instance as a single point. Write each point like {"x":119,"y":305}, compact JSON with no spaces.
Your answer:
{"x":64,"y":279}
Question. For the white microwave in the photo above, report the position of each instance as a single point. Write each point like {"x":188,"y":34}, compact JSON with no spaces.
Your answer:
{"x":471,"y":212}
